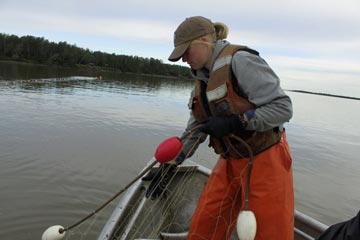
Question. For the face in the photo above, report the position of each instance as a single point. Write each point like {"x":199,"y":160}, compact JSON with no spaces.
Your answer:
{"x":198,"y":55}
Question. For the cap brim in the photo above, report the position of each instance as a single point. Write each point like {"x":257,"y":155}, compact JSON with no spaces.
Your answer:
{"x":178,"y":52}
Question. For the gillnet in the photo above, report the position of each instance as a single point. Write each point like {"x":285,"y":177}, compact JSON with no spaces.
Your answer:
{"x":167,"y":217}
{"x":170,"y":213}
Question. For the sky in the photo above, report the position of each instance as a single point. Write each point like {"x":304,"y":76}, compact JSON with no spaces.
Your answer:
{"x":311,"y":44}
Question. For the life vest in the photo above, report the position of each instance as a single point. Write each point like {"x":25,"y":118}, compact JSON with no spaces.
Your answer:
{"x":221,"y":97}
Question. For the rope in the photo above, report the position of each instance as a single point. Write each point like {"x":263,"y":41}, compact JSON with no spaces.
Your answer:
{"x":61,"y":230}
{"x":153,"y":163}
{"x":147,"y":169}
{"x":249,"y":168}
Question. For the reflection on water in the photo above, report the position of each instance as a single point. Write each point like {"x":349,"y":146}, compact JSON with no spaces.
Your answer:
{"x":67,"y":144}
{"x":23,"y":71}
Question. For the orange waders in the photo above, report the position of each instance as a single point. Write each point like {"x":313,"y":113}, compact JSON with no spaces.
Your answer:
{"x":271,"y":197}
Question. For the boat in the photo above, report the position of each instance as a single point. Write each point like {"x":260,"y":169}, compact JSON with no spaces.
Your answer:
{"x":168,"y":217}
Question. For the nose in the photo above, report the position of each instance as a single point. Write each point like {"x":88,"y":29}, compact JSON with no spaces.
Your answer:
{"x":185,"y":56}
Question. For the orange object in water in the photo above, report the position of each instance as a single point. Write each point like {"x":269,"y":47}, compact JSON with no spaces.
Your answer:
{"x":271,"y":197}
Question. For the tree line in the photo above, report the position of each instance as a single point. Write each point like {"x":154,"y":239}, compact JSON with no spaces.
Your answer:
{"x":39,"y":50}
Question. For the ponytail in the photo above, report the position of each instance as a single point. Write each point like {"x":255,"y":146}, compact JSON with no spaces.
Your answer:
{"x":221,"y":30}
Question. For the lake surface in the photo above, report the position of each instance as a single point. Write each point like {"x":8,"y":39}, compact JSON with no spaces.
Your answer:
{"x":68,"y":142}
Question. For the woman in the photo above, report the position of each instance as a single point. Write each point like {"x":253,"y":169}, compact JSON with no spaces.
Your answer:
{"x":237,"y":93}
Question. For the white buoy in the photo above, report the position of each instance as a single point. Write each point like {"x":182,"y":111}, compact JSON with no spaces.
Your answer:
{"x":53,"y":233}
{"x":246,"y":225}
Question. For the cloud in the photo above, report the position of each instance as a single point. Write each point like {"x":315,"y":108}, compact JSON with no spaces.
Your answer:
{"x":126,"y":28}
{"x":319,"y":75}
{"x":290,"y":24}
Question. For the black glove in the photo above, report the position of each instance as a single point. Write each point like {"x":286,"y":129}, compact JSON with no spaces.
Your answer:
{"x":222,"y":126}
{"x":159,"y":180}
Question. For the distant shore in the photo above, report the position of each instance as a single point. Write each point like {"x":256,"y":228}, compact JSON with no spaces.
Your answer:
{"x":110,"y":70}
{"x":323,"y":94}
{"x":33,"y":49}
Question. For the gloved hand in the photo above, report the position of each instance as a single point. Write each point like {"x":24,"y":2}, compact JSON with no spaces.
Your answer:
{"x":159,"y":180}
{"x":221,"y":126}
{"x":180,"y":158}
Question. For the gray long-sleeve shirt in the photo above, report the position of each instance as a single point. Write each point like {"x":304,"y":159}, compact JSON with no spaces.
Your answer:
{"x":260,"y":85}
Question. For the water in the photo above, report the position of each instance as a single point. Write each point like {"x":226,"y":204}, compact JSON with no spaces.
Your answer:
{"x":68,"y":144}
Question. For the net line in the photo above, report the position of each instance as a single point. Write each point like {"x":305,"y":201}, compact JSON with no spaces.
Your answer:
{"x":148,"y":223}
{"x":80,"y":233}
{"x":166,"y":213}
{"x":160,"y":215}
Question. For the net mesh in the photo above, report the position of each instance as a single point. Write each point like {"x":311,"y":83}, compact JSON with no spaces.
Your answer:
{"x":144,"y":218}
{"x":169,"y":213}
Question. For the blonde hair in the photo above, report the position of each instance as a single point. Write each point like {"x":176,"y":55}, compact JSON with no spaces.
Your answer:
{"x":221,"y":31}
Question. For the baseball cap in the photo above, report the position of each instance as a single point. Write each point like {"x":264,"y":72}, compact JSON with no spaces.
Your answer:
{"x":189,"y":30}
